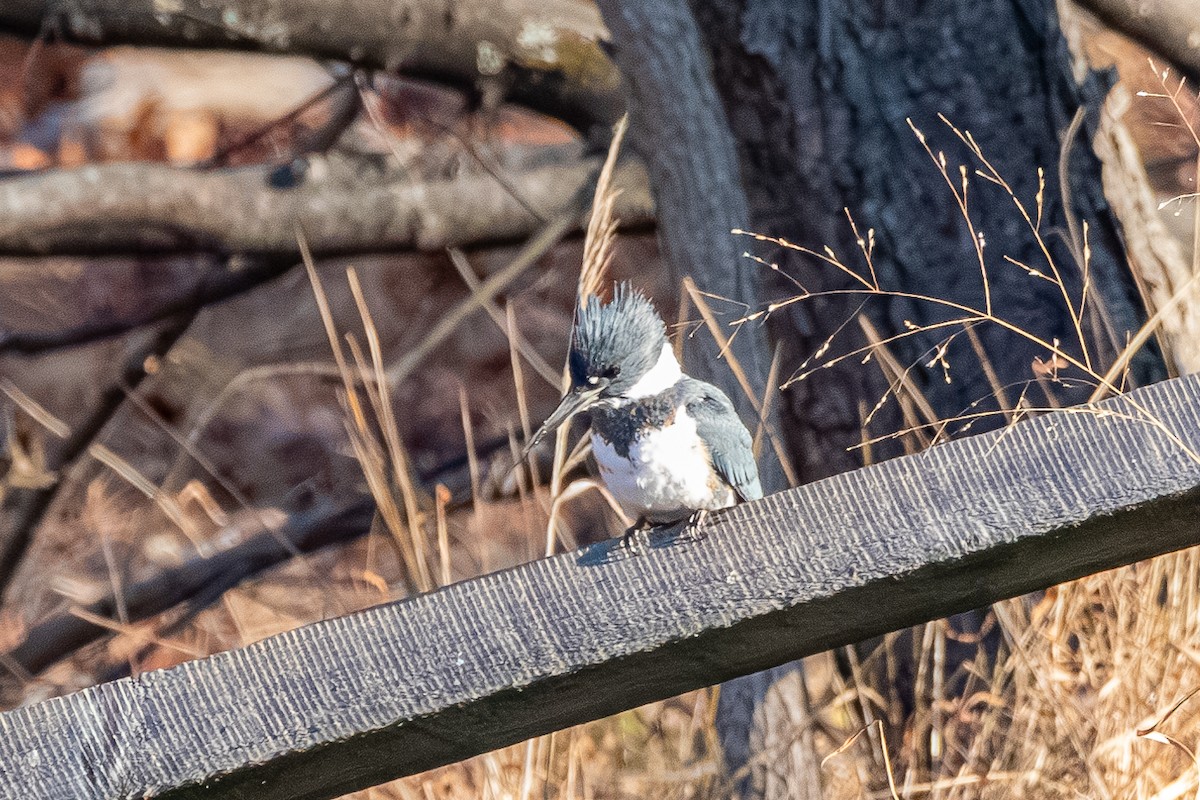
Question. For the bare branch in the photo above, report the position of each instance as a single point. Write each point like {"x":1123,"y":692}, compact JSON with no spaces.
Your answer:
{"x":345,"y":205}
{"x":344,"y":109}
{"x":543,"y":53}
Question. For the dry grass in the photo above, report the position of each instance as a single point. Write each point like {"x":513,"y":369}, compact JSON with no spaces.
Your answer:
{"x":1071,"y":364}
{"x":1089,"y":690}
{"x":662,"y":748}
{"x":599,"y":240}
{"x":1077,"y":702}
{"x":1077,"y":699}
{"x":1087,"y":694}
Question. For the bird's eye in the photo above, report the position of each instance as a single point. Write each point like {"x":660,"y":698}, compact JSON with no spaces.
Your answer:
{"x":610,"y":373}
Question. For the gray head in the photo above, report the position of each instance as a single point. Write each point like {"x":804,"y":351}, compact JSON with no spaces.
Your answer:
{"x":613,"y":346}
{"x":617,"y":343}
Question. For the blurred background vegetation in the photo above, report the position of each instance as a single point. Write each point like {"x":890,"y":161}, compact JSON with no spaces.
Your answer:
{"x":187,"y":468}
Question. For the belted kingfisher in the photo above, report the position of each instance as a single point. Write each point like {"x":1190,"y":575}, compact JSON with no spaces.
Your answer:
{"x":669,"y":447}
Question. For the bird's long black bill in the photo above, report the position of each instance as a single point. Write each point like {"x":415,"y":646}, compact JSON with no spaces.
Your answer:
{"x":574,"y":402}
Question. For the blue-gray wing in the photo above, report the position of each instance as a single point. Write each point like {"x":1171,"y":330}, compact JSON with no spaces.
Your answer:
{"x":728,"y":440}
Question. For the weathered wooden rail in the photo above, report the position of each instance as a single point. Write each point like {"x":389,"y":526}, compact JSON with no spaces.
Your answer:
{"x":354,"y":701}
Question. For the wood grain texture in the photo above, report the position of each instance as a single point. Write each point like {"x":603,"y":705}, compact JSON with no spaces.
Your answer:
{"x":354,"y":701}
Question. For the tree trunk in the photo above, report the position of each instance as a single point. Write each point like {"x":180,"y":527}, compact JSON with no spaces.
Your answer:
{"x":818,"y":96}
{"x":680,"y":130}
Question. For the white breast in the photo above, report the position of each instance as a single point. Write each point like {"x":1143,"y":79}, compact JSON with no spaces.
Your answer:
{"x":666,"y":476}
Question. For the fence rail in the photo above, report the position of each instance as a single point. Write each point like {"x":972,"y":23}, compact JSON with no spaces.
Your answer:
{"x":354,"y":701}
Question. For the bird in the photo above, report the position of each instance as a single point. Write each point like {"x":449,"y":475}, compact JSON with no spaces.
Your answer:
{"x":669,"y":447}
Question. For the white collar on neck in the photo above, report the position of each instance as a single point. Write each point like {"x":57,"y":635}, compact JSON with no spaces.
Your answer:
{"x":662,"y":376}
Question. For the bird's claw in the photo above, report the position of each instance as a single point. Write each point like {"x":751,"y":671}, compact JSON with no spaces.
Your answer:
{"x":635,"y":544}
{"x":631,"y":542}
{"x":693,"y":525}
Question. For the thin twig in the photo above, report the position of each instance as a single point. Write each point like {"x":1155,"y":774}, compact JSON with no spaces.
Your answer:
{"x":597,"y":254}
{"x":362,"y":85}
{"x":344,"y":113}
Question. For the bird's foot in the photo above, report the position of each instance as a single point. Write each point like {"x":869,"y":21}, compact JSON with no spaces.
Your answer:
{"x":631,"y":542}
{"x":693,"y":525}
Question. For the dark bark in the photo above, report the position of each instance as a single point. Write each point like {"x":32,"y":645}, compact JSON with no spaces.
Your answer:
{"x":817,"y":98}
{"x":542,"y":54}
{"x":819,"y":95}
{"x":768,"y":712}
{"x":680,"y":129}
